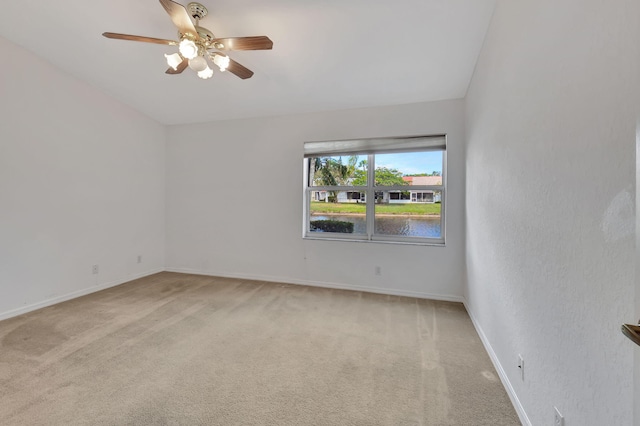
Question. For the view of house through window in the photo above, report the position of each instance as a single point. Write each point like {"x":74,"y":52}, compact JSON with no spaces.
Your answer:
{"x":376,"y":189}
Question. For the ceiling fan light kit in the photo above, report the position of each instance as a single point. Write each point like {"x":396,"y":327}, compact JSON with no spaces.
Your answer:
{"x":205,"y":73}
{"x":197,"y":43}
{"x":188,"y":48}
{"x":221,"y":61}
{"x":199,"y":63}
{"x":173,"y":60}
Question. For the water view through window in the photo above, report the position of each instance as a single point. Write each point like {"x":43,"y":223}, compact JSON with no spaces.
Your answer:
{"x":406,"y":191}
{"x":409,"y":226}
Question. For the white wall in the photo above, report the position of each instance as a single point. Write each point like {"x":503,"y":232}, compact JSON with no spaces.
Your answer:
{"x":634,"y":319}
{"x":81,"y":183}
{"x":550,"y":204}
{"x":234,"y":203}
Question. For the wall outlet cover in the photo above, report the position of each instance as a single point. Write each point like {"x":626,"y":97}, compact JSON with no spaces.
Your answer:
{"x":521,"y":366}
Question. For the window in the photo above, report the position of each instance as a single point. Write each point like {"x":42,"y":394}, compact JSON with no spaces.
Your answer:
{"x":389,"y":190}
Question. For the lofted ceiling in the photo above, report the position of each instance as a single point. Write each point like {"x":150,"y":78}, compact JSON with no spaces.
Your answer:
{"x":327,"y":54}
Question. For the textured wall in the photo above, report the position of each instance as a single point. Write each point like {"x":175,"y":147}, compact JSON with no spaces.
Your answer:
{"x":234,"y":202}
{"x":636,"y":404}
{"x":551,"y":204}
{"x":81,"y":183}
{"x":636,"y":391}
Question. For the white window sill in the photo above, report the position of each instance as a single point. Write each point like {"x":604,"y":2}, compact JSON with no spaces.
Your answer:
{"x":409,"y":241}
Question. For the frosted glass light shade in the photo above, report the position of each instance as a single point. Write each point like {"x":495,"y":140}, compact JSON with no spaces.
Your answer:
{"x":221,"y":61}
{"x":188,"y":49}
{"x":198,"y":64}
{"x":205,"y":73}
{"x":173,"y":60}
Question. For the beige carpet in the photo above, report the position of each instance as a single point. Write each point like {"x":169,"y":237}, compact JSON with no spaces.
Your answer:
{"x":174,"y":349}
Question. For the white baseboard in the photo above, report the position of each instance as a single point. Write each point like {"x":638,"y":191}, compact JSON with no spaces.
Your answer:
{"x":339,"y":286}
{"x":524,"y":419}
{"x":73,"y":295}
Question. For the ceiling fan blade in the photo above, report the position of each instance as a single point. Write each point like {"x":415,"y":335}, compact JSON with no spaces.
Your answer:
{"x":243,"y":43}
{"x":181,"y":67}
{"x":180,"y":17}
{"x":239,"y":70}
{"x":139,"y":38}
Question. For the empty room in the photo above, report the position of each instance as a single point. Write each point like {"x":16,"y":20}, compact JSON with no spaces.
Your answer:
{"x":418,"y":212}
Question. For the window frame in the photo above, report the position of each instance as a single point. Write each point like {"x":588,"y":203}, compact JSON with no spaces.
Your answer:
{"x":370,"y":189}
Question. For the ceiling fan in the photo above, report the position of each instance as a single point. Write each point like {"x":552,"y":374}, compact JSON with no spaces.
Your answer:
{"x":196,"y":44}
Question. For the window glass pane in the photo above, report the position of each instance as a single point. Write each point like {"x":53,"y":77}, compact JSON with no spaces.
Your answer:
{"x":345,"y":170}
{"x":338,"y":211}
{"x":413,"y":168}
{"x":404,"y":195}
{"x":408,"y":213}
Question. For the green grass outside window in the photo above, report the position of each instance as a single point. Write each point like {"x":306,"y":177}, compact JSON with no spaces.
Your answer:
{"x":359,"y":208}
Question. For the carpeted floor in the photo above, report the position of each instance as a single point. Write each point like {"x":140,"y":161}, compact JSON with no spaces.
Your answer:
{"x":175,"y":349}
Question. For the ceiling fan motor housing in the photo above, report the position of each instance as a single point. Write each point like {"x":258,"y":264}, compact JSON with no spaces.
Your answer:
{"x":205,"y":35}
{"x":197,"y":11}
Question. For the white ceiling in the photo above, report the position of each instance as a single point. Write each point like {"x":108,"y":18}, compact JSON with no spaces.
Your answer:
{"x":327,"y":54}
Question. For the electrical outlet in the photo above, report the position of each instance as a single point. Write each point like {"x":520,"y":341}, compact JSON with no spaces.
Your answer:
{"x":378,"y":270}
{"x":94,"y":269}
{"x":521,"y":366}
{"x":139,"y":258}
{"x":558,"y":419}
